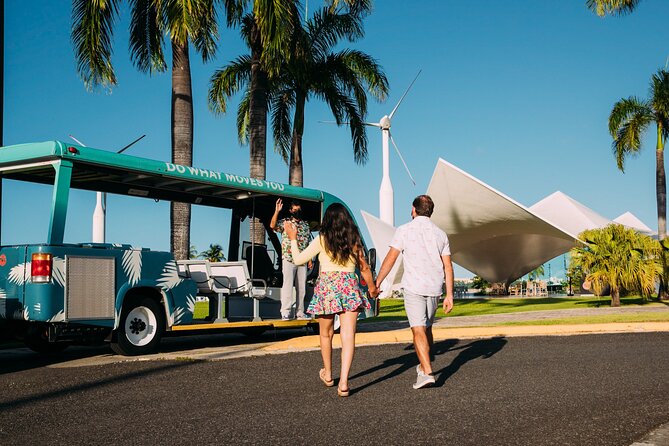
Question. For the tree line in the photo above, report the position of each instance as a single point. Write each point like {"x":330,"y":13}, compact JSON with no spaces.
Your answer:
{"x":291,"y":59}
{"x":615,"y":257}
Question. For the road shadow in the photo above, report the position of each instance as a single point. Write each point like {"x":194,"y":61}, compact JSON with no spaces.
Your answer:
{"x":484,"y":348}
{"x":20,"y":359}
{"x":401,"y":364}
{"x":68,"y":390}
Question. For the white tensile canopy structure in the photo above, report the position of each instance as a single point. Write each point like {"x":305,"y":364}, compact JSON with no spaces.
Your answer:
{"x":631,"y":221}
{"x":382,"y":234}
{"x":490,"y":234}
{"x":567,"y":213}
{"x":494,"y":236}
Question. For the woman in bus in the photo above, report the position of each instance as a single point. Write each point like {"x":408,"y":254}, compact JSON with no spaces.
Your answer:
{"x":337,"y":291}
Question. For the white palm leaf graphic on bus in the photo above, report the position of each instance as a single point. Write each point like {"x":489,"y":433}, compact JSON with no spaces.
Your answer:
{"x":190,"y":303}
{"x":175,"y":317}
{"x":17,"y":275}
{"x":132,"y":265}
{"x":58,"y":271}
{"x":170,"y":276}
{"x":58,"y":317}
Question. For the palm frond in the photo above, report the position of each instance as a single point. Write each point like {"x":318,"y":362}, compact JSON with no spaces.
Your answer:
{"x":358,"y":7}
{"x":146,"y":37}
{"x":368,"y":70}
{"x":612,"y":7}
{"x":244,"y":118}
{"x":234,"y":11}
{"x":92,"y":33}
{"x":629,"y":118}
{"x":659,"y":94}
{"x":228,"y":81}
{"x":275,"y":21}
{"x":326,"y":29}
{"x":344,"y":108}
{"x":203,"y":28}
{"x":281,"y":103}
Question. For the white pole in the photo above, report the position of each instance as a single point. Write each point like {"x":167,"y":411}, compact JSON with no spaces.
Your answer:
{"x":386,"y":208}
{"x":99,"y":235}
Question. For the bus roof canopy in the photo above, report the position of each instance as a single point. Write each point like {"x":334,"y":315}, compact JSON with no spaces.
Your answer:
{"x":104,"y":171}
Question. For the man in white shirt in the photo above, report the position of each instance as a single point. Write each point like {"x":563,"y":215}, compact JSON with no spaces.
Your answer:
{"x":427,"y":265}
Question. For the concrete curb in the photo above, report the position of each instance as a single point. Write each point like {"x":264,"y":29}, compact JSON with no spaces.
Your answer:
{"x":403,"y":336}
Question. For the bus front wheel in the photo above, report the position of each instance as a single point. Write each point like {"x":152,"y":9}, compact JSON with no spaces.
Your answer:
{"x":141,"y":327}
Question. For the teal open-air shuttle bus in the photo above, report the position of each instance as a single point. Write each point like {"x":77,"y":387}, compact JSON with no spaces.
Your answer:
{"x":53,"y":294}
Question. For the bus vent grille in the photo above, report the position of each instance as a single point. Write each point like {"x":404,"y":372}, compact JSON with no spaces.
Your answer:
{"x":90,"y":290}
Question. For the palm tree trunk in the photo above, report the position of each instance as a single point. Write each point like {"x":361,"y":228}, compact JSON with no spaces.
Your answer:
{"x":661,"y":186}
{"x":257,"y":123}
{"x":615,"y":297}
{"x":182,"y":144}
{"x":296,"y":168}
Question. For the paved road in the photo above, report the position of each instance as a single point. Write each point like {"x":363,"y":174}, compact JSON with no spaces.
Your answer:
{"x":575,"y":390}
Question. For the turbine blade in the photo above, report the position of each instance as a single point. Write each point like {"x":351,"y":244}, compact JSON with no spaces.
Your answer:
{"x":372,"y":124}
{"x":400,"y":155}
{"x":392,"y":113}
{"x":77,"y":141}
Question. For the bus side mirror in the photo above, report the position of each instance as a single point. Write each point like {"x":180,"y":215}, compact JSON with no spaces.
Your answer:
{"x":371,"y":255}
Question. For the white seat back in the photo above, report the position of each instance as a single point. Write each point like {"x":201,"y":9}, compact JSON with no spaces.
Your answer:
{"x":229,"y":277}
{"x":197,"y":270}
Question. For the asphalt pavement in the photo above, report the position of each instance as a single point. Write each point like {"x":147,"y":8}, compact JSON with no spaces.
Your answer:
{"x":596,"y":389}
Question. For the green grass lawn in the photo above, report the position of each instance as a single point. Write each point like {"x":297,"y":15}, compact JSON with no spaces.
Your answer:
{"x":393,"y":309}
{"x":201,"y":310}
{"x":603,"y":319}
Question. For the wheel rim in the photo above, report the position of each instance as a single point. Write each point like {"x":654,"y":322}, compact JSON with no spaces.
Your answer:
{"x":140,"y":326}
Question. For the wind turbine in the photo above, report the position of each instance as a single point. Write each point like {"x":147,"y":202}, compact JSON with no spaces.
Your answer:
{"x":386,"y":196}
{"x":100,"y":212}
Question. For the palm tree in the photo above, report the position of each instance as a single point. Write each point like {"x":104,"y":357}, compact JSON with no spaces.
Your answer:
{"x":536,"y":273}
{"x":612,"y":7}
{"x":213,"y":254}
{"x":629,"y":119}
{"x":618,"y":258}
{"x":185,"y":23}
{"x":341,"y":79}
{"x":266,"y":31}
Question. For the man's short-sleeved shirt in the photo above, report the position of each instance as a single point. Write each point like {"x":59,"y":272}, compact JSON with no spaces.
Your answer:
{"x":422,"y":244}
{"x":303,"y":236}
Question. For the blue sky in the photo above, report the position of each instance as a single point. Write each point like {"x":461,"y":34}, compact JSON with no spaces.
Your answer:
{"x":515,"y":93}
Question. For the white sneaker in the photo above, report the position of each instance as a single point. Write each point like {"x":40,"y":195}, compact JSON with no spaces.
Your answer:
{"x":303,"y":317}
{"x":285,"y":318}
{"x":423,"y":380}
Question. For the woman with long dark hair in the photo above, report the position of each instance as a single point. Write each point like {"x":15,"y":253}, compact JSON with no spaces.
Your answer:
{"x":337,"y":291}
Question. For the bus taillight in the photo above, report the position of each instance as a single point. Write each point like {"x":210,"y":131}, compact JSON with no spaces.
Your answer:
{"x":40,"y":268}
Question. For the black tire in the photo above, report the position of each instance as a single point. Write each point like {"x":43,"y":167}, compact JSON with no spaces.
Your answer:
{"x":141,"y":327}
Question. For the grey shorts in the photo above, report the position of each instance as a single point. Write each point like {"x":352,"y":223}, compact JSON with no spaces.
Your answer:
{"x":420,"y":309}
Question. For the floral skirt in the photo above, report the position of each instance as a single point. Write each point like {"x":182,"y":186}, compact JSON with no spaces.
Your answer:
{"x":336,"y":292}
